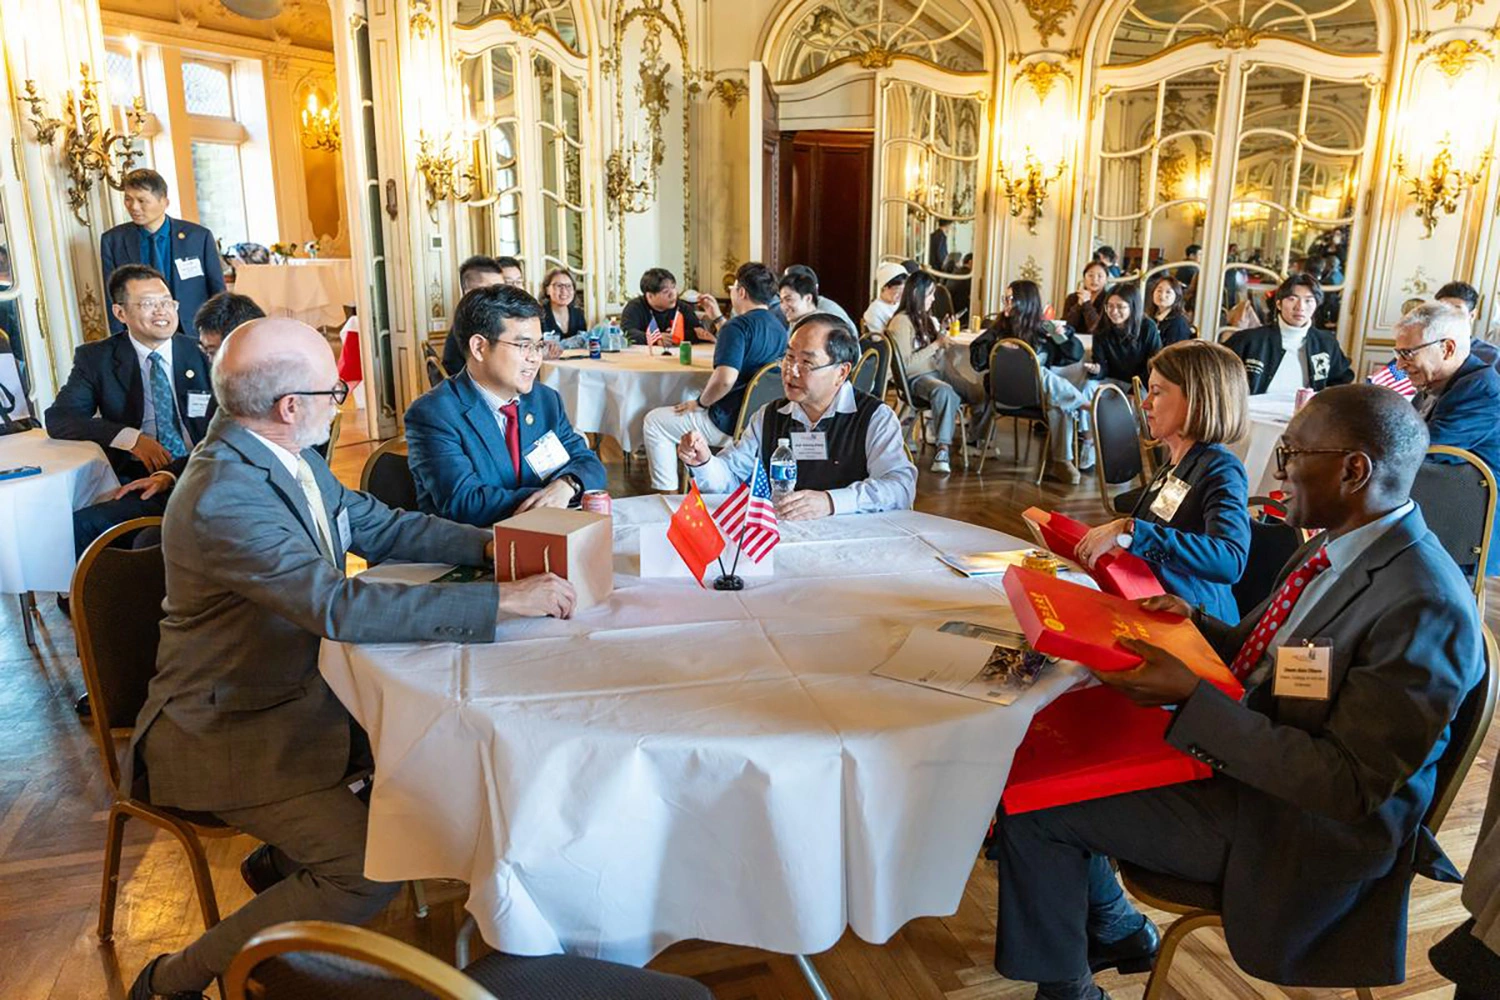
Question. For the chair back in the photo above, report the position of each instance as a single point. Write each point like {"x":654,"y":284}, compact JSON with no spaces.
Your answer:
{"x":898,"y":376}
{"x":1271,"y":545}
{"x":881,"y":345}
{"x":764,"y":387}
{"x":1117,"y":439}
{"x":318,"y":960}
{"x":435,"y":373}
{"x":866,"y":372}
{"x":387,"y":476}
{"x":1457,"y":497}
{"x":1466,"y":735}
{"x":116,"y":602}
{"x":1016,"y":376}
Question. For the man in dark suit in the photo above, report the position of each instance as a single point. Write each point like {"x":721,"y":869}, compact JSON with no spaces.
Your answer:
{"x":1458,"y":392}
{"x":937,"y":245}
{"x":238,"y":722}
{"x":490,"y":442}
{"x":1311,"y":827}
{"x":184,"y":253}
{"x":143,"y":396}
{"x":478,"y":271}
{"x":1292,"y":353}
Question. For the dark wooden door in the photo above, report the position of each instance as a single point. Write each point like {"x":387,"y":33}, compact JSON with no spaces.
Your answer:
{"x":825,"y":197}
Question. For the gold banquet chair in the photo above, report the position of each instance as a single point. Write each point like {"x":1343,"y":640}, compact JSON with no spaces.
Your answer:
{"x":1198,"y":903}
{"x":1457,"y":497}
{"x":117,"y":610}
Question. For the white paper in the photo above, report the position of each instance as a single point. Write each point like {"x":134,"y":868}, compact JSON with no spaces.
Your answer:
{"x":660,"y":559}
{"x":953,"y":663}
{"x":188,"y":267}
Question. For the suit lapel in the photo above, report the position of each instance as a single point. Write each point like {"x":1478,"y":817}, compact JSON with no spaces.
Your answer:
{"x":1356,"y":579}
{"x":260,"y":456}
{"x":485,"y":424}
{"x":533,"y":427}
{"x":132,"y":384}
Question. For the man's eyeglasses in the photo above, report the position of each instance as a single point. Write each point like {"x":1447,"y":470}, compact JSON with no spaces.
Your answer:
{"x":528,"y":348}
{"x":789,"y":364}
{"x":157,"y":305}
{"x":339,"y":392}
{"x":1407,"y":353}
{"x":1284,"y":454}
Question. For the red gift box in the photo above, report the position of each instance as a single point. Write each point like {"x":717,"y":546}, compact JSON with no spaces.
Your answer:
{"x":1071,"y":622}
{"x":1118,"y":573}
{"x":1091,"y":744}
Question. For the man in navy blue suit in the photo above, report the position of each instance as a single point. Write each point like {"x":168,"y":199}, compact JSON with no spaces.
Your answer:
{"x":1458,"y":392}
{"x":184,"y":253}
{"x":490,"y":442}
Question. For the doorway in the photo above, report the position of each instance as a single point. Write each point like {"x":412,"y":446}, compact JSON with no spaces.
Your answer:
{"x":825,"y":186}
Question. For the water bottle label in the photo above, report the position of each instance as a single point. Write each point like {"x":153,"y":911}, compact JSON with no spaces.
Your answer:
{"x":784,"y":471}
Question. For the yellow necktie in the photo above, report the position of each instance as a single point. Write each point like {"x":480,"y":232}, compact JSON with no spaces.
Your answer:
{"x":315,"y":504}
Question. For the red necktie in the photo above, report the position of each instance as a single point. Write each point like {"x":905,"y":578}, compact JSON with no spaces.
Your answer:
{"x":512,"y":413}
{"x":1276,"y":613}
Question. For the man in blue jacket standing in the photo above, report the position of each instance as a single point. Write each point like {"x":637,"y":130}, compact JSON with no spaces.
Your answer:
{"x":1458,"y":392}
{"x":489,"y":442}
{"x":184,"y":253}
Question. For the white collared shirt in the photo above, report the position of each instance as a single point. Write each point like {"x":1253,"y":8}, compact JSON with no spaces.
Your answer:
{"x":1291,"y":374}
{"x":128,"y":436}
{"x":892,"y":482}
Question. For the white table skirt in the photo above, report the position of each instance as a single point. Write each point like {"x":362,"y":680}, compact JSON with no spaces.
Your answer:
{"x":36,"y":513}
{"x":613,"y":395}
{"x":1269,"y":416}
{"x":683,"y":763}
{"x":313,"y":291}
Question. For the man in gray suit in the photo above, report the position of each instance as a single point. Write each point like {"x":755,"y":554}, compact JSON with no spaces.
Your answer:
{"x":1311,"y":827}
{"x":238,"y":722}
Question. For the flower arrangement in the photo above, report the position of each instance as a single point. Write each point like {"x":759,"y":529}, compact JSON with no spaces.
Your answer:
{"x":283,"y":251}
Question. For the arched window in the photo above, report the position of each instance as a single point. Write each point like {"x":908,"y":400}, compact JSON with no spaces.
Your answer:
{"x":941,"y":32}
{"x":1240,"y":126}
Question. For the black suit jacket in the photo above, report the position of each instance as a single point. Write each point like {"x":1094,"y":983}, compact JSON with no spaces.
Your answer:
{"x":185,"y":241}
{"x":106,"y":393}
{"x":1331,"y":794}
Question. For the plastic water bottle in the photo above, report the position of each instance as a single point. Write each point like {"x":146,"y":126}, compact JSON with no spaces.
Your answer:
{"x":783,"y":470}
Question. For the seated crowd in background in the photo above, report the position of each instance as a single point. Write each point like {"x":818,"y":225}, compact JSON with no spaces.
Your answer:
{"x":1290,"y":353}
{"x":920,"y":340}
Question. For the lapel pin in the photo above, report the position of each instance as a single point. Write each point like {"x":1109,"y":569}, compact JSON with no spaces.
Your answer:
{"x":182,"y":236}
{"x":530,"y":420}
{"x":189,"y":373}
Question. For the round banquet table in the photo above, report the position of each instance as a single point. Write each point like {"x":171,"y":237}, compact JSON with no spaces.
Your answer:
{"x":36,"y":513}
{"x":612,"y":395}
{"x":314,"y":291}
{"x":684,"y":763}
{"x":1269,"y":415}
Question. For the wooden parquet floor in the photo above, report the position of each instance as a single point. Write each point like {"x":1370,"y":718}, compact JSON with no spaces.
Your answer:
{"x":53,"y":806}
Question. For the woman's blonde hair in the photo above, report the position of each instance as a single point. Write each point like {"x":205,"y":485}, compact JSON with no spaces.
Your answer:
{"x":1212,"y":377}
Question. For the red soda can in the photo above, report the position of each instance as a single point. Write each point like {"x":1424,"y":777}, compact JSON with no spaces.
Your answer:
{"x":596,"y":501}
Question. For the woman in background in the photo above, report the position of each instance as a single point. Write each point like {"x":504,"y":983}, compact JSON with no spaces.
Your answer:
{"x":1169,"y":310}
{"x":1124,"y":341}
{"x":561,"y":317}
{"x":1083,"y":310}
{"x":922,"y":344}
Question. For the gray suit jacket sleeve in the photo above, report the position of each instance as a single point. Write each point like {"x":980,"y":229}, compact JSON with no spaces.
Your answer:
{"x":1402,"y":686}
{"x":274,"y":563}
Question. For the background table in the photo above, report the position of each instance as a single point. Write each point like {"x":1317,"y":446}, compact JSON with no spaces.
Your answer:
{"x":685,"y":763}
{"x":613,"y":395}
{"x":313,"y":291}
{"x":1269,"y":415}
{"x":36,"y":513}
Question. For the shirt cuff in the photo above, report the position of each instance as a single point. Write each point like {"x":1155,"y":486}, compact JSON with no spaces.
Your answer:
{"x":171,"y":477}
{"x":845,"y":500}
{"x":126,"y":439}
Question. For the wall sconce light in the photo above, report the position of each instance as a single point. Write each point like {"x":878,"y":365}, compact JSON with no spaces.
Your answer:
{"x":92,"y":150}
{"x":629,"y":179}
{"x":444,"y":177}
{"x":320,"y":126}
{"x":1026,"y":183}
{"x":1441,"y":184}
{"x":1446,"y":161}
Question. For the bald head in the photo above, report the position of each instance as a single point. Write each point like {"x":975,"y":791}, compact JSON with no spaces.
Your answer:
{"x":1373,"y":420}
{"x":273,"y":375}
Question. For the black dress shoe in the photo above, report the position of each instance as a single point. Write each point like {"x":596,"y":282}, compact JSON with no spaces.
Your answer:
{"x":83,"y":707}
{"x":258,"y":870}
{"x":65,"y":606}
{"x":1130,"y":955}
{"x":141,"y":988}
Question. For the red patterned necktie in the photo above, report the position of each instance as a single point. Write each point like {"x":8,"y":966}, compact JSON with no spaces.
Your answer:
{"x":512,"y":413}
{"x":1276,"y":613}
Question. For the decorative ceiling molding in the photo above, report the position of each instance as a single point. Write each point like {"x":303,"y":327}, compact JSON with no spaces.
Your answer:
{"x":1453,"y":57}
{"x":1048,"y":15}
{"x":1042,"y":76}
{"x":1461,"y":8}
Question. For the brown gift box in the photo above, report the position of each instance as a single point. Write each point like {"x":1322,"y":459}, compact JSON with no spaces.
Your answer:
{"x":577,"y":545}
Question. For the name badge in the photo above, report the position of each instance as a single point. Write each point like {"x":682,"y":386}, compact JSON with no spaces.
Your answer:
{"x":1320,"y":364}
{"x":188,"y":267}
{"x":1304,"y":670}
{"x":342,"y":521}
{"x":1169,"y":498}
{"x":809,"y":446}
{"x":547,"y":456}
{"x":198,"y":404}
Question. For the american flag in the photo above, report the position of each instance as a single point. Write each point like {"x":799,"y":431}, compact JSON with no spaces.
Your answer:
{"x":1392,"y":377}
{"x":748,"y":516}
{"x":653,"y":333}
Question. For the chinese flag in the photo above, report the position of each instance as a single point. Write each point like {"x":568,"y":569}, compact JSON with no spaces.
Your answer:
{"x":677,"y":329}
{"x":694,"y":535}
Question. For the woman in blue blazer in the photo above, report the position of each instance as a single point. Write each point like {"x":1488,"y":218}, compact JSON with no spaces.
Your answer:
{"x":1192,"y":524}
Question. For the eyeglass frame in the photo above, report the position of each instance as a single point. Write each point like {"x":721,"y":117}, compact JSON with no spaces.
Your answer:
{"x":339,"y":392}
{"x":153,"y":304}
{"x":1407,"y":353}
{"x":530,"y":349}
{"x":1282,"y":454}
{"x":788,"y":363}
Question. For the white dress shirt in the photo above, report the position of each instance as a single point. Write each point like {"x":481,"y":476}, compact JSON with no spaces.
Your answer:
{"x":892,"y":482}
{"x":1291,"y":374}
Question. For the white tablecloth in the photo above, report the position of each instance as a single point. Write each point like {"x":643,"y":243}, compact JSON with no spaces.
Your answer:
{"x":1269,"y":416}
{"x":612,"y":395}
{"x":36,"y":513}
{"x":684,"y":763}
{"x":313,"y":291}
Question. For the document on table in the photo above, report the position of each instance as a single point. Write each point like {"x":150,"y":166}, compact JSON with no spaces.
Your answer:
{"x":973,"y":564}
{"x":971,"y":661}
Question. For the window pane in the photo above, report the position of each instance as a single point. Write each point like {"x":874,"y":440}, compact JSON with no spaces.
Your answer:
{"x":124,"y":77}
{"x":206,"y":89}
{"x":221,"y":191}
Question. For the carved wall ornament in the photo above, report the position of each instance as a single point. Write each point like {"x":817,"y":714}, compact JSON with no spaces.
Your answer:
{"x":91,"y":315}
{"x":1042,"y":76}
{"x":1048,"y":16}
{"x":1455,"y":56}
{"x":1237,"y":36}
{"x":1031,"y":270}
{"x":730,"y":91}
{"x":1420,"y":283}
{"x":876,"y":57}
{"x":731,"y":266}
{"x":1461,"y":8}
{"x":421,"y":21}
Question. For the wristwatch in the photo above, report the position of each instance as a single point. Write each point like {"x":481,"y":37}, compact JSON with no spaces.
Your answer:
{"x":575,"y":482}
{"x":1126,"y":537}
